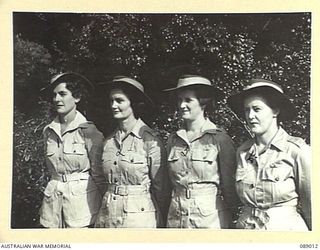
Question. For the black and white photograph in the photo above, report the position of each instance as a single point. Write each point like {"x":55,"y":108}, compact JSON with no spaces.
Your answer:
{"x":162,"y":122}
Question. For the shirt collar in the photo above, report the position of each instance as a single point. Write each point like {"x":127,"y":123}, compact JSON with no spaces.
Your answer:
{"x":208,"y":127}
{"x":74,"y":124}
{"x":279,"y":141}
{"x":137,"y":130}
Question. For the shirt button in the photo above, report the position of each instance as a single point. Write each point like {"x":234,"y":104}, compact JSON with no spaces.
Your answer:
{"x":142,"y":209}
{"x":277,"y":178}
{"x":115,"y":163}
{"x":74,"y":151}
{"x":114,"y":198}
{"x":60,"y":159}
{"x":131,"y":160}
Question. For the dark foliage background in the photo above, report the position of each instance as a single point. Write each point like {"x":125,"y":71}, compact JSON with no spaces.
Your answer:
{"x":156,"y":49}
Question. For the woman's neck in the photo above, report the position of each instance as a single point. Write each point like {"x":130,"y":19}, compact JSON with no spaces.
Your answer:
{"x":195,"y":125}
{"x":127,"y":124}
{"x":67,"y":118}
{"x":265,"y":138}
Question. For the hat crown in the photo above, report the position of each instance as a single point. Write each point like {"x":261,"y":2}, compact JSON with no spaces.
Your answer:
{"x":130,"y":81}
{"x":67,"y":76}
{"x":256,"y":83}
{"x":188,"y":80}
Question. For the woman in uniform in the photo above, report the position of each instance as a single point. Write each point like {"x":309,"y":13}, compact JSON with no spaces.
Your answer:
{"x":134,"y":163}
{"x":272,"y":176}
{"x":73,"y":148}
{"x":201,"y":160}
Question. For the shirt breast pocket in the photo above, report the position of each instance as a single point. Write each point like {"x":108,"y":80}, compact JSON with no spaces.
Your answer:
{"x":277,"y":172}
{"x":207,"y":155}
{"x":74,"y":149}
{"x":134,"y":158}
{"x":204,"y":162}
{"x":245,"y":175}
{"x":176,"y":161}
{"x":51,"y":148}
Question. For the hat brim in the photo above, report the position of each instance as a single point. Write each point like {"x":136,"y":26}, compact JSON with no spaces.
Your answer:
{"x":68,"y":76}
{"x":142,"y":97}
{"x":287,"y":110}
{"x":217,"y":93}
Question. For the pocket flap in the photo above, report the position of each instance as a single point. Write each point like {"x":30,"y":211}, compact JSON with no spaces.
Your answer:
{"x":205,"y":207}
{"x":74,"y":148}
{"x":134,"y":158}
{"x":50,"y":188}
{"x":139,"y":205}
{"x":207,"y":155}
{"x":277,"y":172}
{"x":82,"y":187}
{"x":240,"y":174}
{"x":174,"y":155}
{"x":51,"y":148}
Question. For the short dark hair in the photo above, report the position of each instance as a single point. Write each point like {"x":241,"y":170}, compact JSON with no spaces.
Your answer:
{"x":78,"y":90}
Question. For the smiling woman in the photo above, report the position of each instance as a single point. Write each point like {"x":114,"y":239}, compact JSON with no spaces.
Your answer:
{"x":201,"y":161}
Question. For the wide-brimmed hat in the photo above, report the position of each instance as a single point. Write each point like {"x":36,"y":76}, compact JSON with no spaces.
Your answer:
{"x":133,"y":86}
{"x":191,"y":81}
{"x":269,"y":90}
{"x":69,"y":77}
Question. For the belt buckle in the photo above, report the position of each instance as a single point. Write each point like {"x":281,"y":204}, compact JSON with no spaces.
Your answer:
{"x":116,"y":190}
{"x":188,"y":193}
{"x":64,"y":178}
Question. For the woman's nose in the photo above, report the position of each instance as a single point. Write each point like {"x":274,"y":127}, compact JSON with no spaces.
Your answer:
{"x":250,"y":114}
{"x":182,"y":104}
{"x":56,"y":98}
{"x":113,"y":104}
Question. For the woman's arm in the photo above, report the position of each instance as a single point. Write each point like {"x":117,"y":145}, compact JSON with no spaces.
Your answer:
{"x":227,"y":168}
{"x":303,"y":179}
{"x":160,"y":183}
{"x":94,"y":141}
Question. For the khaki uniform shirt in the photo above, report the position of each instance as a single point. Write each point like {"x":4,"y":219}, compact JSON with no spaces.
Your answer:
{"x":71,"y":197}
{"x":278,"y":177}
{"x":138,"y":159}
{"x":208,"y":160}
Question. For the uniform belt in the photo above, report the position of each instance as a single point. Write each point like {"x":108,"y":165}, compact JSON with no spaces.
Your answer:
{"x":71,"y":177}
{"x":194,"y":191}
{"x":265,"y":214}
{"x":127,"y":189}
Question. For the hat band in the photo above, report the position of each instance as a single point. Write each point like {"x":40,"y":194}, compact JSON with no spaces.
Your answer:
{"x":263,"y":84}
{"x":130,"y":81}
{"x":193,"y":80}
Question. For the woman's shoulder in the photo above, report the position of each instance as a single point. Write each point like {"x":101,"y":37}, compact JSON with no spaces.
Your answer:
{"x":148,"y":132}
{"x":89,"y":130}
{"x":296,"y":141}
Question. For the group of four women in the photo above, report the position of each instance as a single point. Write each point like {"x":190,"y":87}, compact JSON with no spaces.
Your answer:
{"x":130,"y":180}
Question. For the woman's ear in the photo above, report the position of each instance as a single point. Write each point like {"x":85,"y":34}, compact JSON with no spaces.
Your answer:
{"x":77,"y":99}
{"x":276,"y":112}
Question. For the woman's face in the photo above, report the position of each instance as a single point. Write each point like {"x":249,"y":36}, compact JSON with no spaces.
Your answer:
{"x":63,"y":99}
{"x":189,"y":105}
{"x":259,"y":115}
{"x":120,"y":104}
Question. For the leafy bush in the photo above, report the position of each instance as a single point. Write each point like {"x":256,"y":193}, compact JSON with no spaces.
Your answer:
{"x":156,"y":49}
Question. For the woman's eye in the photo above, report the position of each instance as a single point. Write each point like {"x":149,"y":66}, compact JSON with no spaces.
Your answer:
{"x":256,"y":109}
